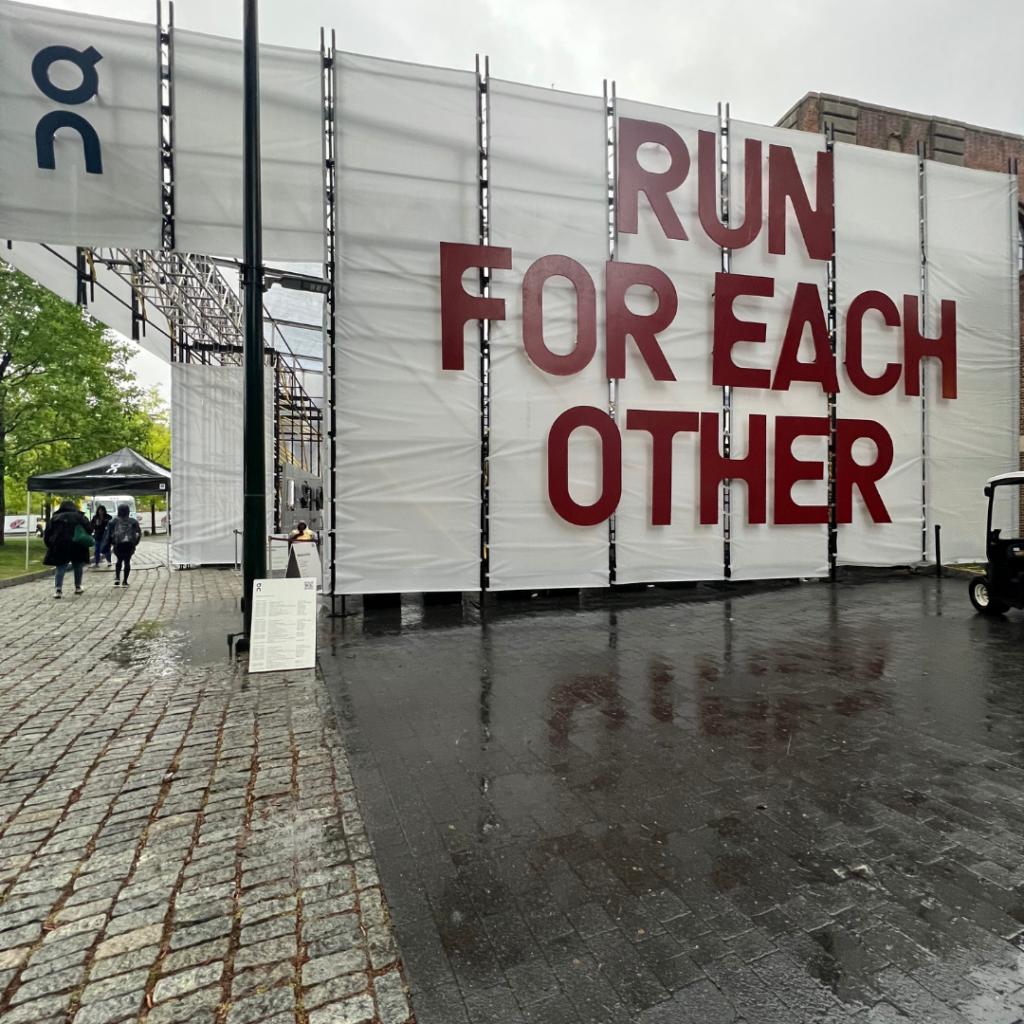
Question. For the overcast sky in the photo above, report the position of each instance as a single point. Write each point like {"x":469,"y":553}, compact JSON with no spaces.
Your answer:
{"x":954,"y":58}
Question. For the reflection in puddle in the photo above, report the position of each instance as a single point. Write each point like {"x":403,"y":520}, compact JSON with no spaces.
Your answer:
{"x":190,"y":639}
{"x":584,"y":691}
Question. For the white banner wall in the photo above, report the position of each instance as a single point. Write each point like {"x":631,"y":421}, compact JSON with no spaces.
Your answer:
{"x":878,"y":249}
{"x":684,"y":549}
{"x":971,"y":239}
{"x":207,"y":79}
{"x":80,"y":152}
{"x":548,"y":188}
{"x":408,"y":432}
{"x":206,"y":461}
{"x":767,"y":550}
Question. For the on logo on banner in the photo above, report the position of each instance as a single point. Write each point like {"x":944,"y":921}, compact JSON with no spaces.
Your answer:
{"x":86,"y":61}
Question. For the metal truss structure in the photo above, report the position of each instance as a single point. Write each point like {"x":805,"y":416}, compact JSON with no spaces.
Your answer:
{"x":204,"y":324}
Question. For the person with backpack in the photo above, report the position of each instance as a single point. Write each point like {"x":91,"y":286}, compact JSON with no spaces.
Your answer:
{"x":68,"y":537}
{"x":123,"y":535}
{"x":100,"y":521}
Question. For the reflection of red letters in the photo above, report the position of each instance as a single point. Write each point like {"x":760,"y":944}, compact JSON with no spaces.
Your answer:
{"x":662,"y":425}
{"x":714,"y":468}
{"x":533,"y":315}
{"x":784,"y":182}
{"x":633,"y":179}
{"x":916,"y":347}
{"x":707,"y":193}
{"x":730,"y":330}
{"x":850,"y":473}
{"x":621,"y":321}
{"x":806,"y":311}
{"x":457,"y":305}
{"x":859,"y":378}
{"x":789,"y":469}
{"x":558,"y":465}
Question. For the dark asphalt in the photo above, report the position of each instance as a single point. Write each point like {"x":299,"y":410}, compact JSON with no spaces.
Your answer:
{"x":799,"y":804}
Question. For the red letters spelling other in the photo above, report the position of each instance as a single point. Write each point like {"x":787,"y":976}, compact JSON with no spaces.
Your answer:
{"x":752,"y":469}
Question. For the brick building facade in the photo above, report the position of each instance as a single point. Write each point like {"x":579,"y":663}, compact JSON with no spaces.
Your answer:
{"x":952,"y":142}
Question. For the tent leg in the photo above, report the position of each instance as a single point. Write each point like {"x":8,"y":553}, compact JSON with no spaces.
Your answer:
{"x":28,"y":510}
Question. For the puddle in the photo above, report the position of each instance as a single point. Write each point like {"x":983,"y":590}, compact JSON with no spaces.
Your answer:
{"x":196,"y":637}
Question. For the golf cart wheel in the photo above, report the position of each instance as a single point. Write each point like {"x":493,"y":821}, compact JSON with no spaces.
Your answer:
{"x":983,"y":600}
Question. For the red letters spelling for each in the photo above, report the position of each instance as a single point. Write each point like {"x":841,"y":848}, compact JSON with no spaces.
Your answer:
{"x":806,"y":313}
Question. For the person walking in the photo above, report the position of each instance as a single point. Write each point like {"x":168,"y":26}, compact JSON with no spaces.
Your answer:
{"x":100,"y":522}
{"x":64,"y":544}
{"x":124,"y":534}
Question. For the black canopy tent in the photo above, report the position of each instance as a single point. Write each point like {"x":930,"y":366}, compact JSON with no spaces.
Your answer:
{"x":122,"y":472}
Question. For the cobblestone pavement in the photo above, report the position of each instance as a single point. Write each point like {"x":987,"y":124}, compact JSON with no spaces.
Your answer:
{"x":799,"y":805}
{"x":178,"y":841}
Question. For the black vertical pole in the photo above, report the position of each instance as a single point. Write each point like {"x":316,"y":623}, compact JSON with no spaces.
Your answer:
{"x":254,"y":481}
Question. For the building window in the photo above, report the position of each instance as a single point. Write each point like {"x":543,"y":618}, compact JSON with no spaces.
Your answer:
{"x":895,"y":144}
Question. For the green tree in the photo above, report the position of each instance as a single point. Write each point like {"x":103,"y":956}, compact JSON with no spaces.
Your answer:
{"x":154,"y":420}
{"x":66,"y":393}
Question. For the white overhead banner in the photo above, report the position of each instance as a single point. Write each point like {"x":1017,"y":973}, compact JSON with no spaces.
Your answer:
{"x":972,"y":372}
{"x":878,"y":246}
{"x":207,"y":74}
{"x":663,"y":416}
{"x":407,"y":457}
{"x":52,"y":266}
{"x":771,"y":337}
{"x":549,"y":197}
{"x":79,"y":129}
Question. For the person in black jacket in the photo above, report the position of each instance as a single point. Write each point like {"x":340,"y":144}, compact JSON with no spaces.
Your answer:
{"x":100,"y":522}
{"x":61,"y":548}
{"x":123,"y":535}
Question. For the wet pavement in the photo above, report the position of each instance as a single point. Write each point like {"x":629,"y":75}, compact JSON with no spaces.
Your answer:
{"x":179,"y":841}
{"x":804,"y":803}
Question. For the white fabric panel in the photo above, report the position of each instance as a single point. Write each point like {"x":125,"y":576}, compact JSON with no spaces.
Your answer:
{"x":548,"y":196}
{"x":66,"y":204}
{"x":878,"y":249}
{"x":971,"y":238}
{"x":206,"y":461}
{"x":408,"y":434}
{"x":684,"y":550}
{"x":208,"y":148}
{"x":765,"y":551}
{"x":52,"y":269}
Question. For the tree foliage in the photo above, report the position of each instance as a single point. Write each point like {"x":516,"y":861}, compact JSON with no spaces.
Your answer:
{"x":66,"y":393}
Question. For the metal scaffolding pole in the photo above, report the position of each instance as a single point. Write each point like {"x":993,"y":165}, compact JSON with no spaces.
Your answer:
{"x":254,"y":512}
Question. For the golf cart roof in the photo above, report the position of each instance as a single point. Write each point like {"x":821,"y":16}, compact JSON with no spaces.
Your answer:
{"x":1006,"y":478}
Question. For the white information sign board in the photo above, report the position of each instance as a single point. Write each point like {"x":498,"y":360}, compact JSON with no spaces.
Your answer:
{"x":304,"y":561}
{"x":283,"y":625}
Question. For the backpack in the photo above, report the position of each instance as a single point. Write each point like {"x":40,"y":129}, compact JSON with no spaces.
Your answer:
{"x":125,"y":531}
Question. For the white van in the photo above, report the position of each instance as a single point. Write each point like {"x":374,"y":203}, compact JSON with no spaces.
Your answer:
{"x":110,"y":502}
